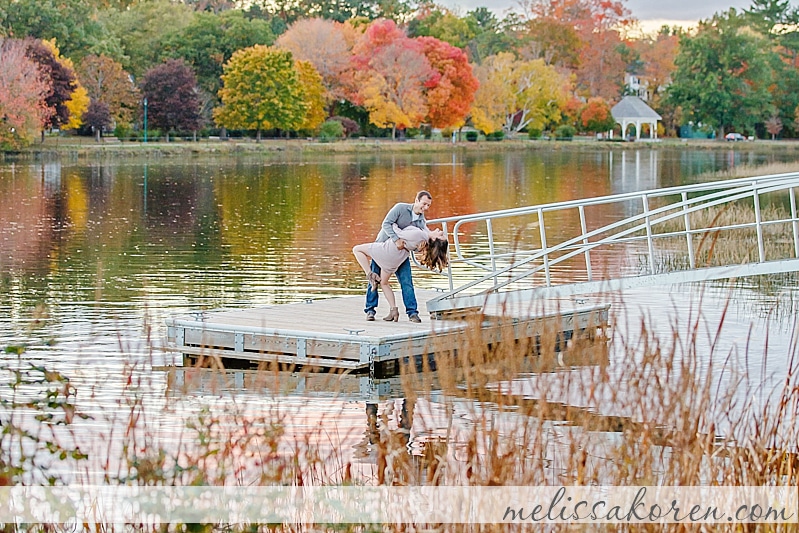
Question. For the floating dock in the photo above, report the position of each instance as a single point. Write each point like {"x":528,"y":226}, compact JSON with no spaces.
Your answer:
{"x":334,"y":332}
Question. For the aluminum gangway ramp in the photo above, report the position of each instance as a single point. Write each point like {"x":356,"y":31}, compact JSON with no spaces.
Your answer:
{"x":706,"y":231}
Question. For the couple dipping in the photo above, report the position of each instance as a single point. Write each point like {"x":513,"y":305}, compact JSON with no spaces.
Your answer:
{"x":404,"y":231}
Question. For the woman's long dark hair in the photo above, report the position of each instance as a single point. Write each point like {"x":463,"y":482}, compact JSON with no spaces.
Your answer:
{"x":434,"y":255}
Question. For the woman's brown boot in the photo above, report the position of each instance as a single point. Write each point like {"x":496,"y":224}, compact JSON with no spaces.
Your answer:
{"x":392,"y":315}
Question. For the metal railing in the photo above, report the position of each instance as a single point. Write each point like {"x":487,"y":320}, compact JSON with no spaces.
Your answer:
{"x":660,"y":227}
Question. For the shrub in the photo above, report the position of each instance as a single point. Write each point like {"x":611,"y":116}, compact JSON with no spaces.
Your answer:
{"x":123,"y":131}
{"x":534,"y":134}
{"x":331,"y":131}
{"x":565,"y":132}
{"x":471,"y":136}
{"x":495,"y":136}
{"x":350,"y":126}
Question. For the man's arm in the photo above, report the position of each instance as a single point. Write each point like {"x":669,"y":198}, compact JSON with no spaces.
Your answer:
{"x":391,"y":218}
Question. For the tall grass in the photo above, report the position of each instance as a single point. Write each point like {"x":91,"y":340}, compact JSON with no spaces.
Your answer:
{"x":660,"y":412}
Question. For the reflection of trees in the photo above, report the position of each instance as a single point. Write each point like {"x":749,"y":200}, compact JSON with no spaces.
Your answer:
{"x":25,"y":211}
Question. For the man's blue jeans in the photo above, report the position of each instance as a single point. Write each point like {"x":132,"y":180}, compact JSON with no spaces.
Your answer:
{"x":406,"y":284}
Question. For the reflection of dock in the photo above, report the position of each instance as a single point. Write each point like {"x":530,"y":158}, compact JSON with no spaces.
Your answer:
{"x":354,"y":387}
{"x":334,"y":333}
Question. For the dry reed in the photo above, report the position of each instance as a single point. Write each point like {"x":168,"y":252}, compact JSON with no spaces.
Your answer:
{"x":657,"y":414}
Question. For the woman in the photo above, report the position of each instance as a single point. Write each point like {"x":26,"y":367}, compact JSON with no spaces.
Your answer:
{"x":389,"y":255}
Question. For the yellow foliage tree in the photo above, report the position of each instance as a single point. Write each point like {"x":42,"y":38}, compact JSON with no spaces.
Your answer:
{"x":313,"y":93}
{"x":261,"y":90}
{"x":77,"y":104}
{"x":515,"y":94}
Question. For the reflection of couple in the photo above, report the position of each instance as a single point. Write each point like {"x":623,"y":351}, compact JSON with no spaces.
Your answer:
{"x":404,"y":230}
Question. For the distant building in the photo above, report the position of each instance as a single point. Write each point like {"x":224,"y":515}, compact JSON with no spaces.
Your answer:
{"x":636,"y":86}
{"x":632,"y":111}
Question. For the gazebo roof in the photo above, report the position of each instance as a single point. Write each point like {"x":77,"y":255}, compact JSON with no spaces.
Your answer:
{"x":633,"y":108}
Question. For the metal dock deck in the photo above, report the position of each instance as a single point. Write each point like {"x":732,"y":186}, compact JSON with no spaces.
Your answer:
{"x":334,"y":332}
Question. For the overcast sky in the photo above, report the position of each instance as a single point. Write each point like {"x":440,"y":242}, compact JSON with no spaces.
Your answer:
{"x":651,"y":13}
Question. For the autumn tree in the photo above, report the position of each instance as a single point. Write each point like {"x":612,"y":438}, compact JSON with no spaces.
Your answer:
{"x":59,"y":78}
{"x":595,"y":116}
{"x":518,"y":94}
{"x":77,"y":105}
{"x":774,"y":126}
{"x":450,"y":92}
{"x":171,"y":93}
{"x":22,"y":93}
{"x":98,"y":118}
{"x":327,"y":45}
{"x":392,"y":73}
{"x":588,"y":30}
{"x":261,"y":90}
{"x":494,"y":99}
{"x":106,"y":81}
{"x":722,"y":76}
{"x":78,"y":101}
{"x":313,"y":94}
{"x":658,"y":56}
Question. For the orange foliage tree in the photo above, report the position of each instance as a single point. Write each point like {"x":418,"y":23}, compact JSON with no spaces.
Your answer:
{"x":327,"y":45}
{"x":392,"y":74}
{"x":450,"y":92}
{"x":595,"y":116}
{"x":600,"y":67}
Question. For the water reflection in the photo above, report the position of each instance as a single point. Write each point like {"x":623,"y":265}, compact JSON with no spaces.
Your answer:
{"x":94,"y":256}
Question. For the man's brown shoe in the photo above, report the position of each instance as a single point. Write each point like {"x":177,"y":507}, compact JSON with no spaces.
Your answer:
{"x":370,"y":316}
{"x":415,"y":318}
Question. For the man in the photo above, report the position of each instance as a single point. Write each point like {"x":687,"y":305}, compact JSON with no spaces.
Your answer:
{"x":403,"y":215}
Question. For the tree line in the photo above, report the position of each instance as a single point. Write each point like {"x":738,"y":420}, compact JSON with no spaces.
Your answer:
{"x":337,"y":67}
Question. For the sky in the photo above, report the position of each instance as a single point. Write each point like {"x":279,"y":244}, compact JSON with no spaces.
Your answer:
{"x":652,"y":14}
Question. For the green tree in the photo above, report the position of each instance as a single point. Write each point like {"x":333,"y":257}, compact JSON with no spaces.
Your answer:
{"x":722,"y":76}
{"x":143,"y":28}
{"x":291,"y":11}
{"x":74,"y":24}
{"x":438,"y":22}
{"x":210,"y":40}
{"x":261,"y":91}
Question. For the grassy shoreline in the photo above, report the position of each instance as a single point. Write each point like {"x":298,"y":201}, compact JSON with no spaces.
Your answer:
{"x":86,"y":148}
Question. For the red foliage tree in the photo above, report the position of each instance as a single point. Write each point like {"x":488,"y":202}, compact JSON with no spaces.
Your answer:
{"x":61,"y":82}
{"x":450,"y":92}
{"x":172,"y":96}
{"x":98,"y":117}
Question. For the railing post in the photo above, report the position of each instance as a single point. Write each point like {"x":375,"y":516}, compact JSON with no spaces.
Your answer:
{"x":490,"y":230}
{"x":761,"y":249}
{"x":795,"y":224}
{"x":543,"y":231}
{"x":691,"y":259}
{"x":449,"y":263}
{"x":584,"y":229}
{"x":649,"y":243}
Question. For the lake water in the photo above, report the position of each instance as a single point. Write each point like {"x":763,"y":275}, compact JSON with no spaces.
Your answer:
{"x":95,"y":255}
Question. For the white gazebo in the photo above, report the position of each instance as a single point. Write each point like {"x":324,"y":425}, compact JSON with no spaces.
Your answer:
{"x":633,"y":110}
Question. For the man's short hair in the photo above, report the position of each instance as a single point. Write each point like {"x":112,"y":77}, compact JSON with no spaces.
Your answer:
{"x":422,"y":194}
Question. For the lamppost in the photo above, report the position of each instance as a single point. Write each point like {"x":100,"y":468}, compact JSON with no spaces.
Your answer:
{"x":145,"y":119}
